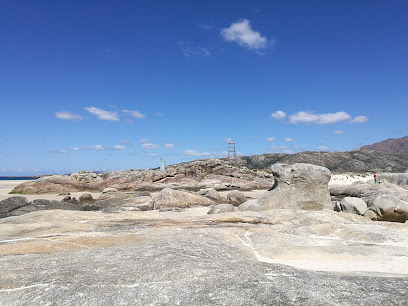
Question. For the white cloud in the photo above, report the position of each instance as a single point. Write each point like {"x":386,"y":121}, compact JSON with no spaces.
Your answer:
{"x":97,"y":148}
{"x":59,"y":152}
{"x":149,"y":145}
{"x":67,"y":115}
{"x":134,"y":113}
{"x":278,"y":115}
{"x":270,"y":139}
{"x":242,"y":33}
{"x":323,"y":148}
{"x":359,"y":119}
{"x":102,"y":114}
{"x":169,"y":145}
{"x":144,"y":140}
{"x":119,"y":147}
{"x":338,"y":132}
{"x":75,"y":149}
{"x":195,"y":153}
{"x":191,"y":50}
{"x":288,"y":139}
{"x":309,"y":117}
{"x":227,"y":139}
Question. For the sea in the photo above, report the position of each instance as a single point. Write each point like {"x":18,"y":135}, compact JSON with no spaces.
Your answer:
{"x":17,"y":178}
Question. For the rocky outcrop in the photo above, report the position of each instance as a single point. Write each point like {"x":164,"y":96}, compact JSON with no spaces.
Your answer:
{"x":400,"y":179}
{"x":210,"y":193}
{"x":388,"y":207}
{"x":236,"y":198}
{"x":175,"y":198}
{"x":142,"y":203}
{"x":196,"y":175}
{"x":86,"y":177}
{"x":300,"y":186}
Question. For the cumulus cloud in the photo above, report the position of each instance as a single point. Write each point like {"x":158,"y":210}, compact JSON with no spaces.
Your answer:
{"x":119,"y":147}
{"x":195,"y":153}
{"x":242,"y":33}
{"x":359,"y":119}
{"x":149,"y":145}
{"x":288,"y":139}
{"x":309,"y":117}
{"x":188,"y":49}
{"x":227,"y":139}
{"x":97,"y":148}
{"x":270,"y":139}
{"x":102,"y":114}
{"x":67,"y":115}
{"x":322,"y":148}
{"x":169,"y":145}
{"x":278,"y":115}
{"x":134,"y":113}
{"x":338,"y":132}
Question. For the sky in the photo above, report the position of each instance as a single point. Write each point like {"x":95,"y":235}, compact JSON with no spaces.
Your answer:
{"x":109,"y":85}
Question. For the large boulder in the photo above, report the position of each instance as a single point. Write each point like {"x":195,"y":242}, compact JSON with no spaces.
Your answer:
{"x":175,"y":198}
{"x":236,"y":198}
{"x":142,"y":203}
{"x":298,"y":186}
{"x":388,"y":207}
{"x":86,"y":198}
{"x":113,"y":193}
{"x":400,"y":179}
{"x":353,"y":205}
{"x":10,"y":204}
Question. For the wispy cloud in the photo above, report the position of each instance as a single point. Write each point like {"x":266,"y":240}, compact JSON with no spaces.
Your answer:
{"x":149,"y":145}
{"x":338,"y":132}
{"x":309,"y":117}
{"x":278,"y":115}
{"x":102,"y":114}
{"x":195,"y":153}
{"x":169,"y":145}
{"x":188,"y":49}
{"x":59,"y":152}
{"x":227,"y":139}
{"x":288,"y":139}
{"x":134,"y":113}
{"x":206,"y":27}
{"x":144,"y":140}
{"x":323,"y":148}
{"x":359,"y":119}
{"x":67,"y":115}
{"x":96,"y":148}
{"x":242,"y":33}
{"x":119,"y":147}
{"x":270,"y":139}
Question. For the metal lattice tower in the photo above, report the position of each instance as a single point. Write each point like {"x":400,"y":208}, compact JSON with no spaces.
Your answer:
{"x":231,"y":149}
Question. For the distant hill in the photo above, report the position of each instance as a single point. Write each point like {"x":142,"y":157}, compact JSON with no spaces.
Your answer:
{"x":351,"y":161}
{"x":397,"y":147}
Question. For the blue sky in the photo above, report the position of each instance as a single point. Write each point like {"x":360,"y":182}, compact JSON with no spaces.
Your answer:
{"x":107,"y":85}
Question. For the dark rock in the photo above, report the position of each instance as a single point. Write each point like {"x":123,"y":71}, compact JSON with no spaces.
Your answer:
{"x":10,"y":204}
{"x":86,"y":198}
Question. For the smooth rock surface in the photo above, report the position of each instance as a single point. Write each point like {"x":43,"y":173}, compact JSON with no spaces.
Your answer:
{"x":175,"y":198}
{"x":353,"y":205}
{"x":221,"y":208}
{"x":299,"y":186}
{"x":12,"y":203}
{"x":389,"y":207}
{"x":279,"y":257}
{"x":250,"y":205}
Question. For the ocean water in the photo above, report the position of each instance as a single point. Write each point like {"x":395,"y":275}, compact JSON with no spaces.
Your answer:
{"x":17,"y":178}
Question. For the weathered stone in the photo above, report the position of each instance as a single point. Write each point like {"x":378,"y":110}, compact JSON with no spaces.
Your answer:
{"x":136,"y":203}
{"x":86,"y":177}
{"x":250,"y":205}
{"x":210,"y":193}
{"x":66,"y":198}
{"x":236,"y":197}
{"x":86,"y":198}
{"x":12,"y":203}
{"x":389,"y":207}
{"x":353,"y":205}
{"x":300,"y":186}
{"x":221,"y":208}
{"x":400,"y":179}
{"x":174,"y":198}
{"x":122,"y":195}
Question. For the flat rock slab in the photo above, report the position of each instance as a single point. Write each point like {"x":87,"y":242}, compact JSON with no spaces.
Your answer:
{"x":191,"y":258}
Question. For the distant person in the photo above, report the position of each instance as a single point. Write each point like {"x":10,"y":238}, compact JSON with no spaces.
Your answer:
{"x":375,"y":178}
